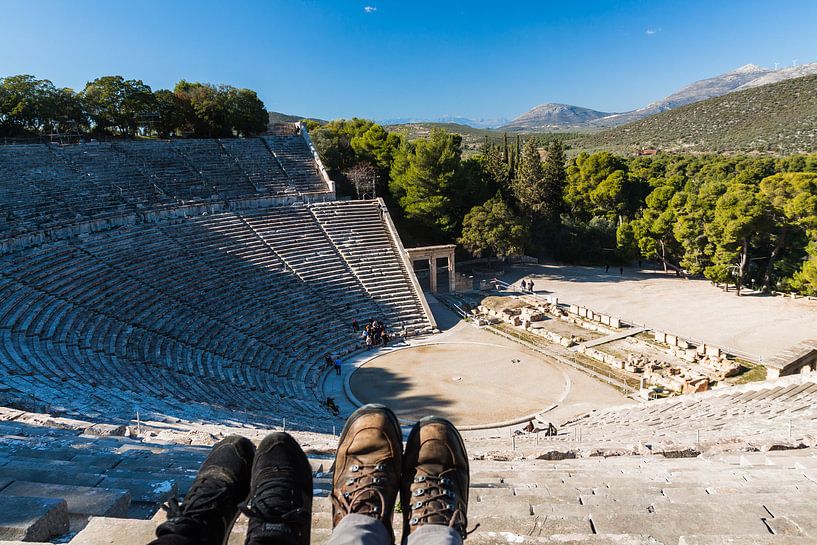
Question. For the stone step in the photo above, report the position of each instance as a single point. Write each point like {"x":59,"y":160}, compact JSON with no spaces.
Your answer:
{"x":81,"y":501}
{"x":31,"y":518}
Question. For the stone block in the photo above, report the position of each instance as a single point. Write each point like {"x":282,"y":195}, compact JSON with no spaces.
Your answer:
{"x":107,"y":430}
{"x":671,"y":340}
{"x":660,"y":337}
{"x":81,"y":500}
{"x":615,"y":322}
{"x":114,"y":531}
{"x":150,"y":491}
{"x":11,"y":471}
{"x":32,"y":519}
{"x":712,"y":351}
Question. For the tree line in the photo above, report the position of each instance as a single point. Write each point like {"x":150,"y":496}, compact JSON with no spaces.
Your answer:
{"x":115,"y":106}
{"x":737,"y":220}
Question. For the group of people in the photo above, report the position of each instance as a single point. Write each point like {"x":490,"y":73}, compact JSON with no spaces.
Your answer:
{"x":527,"y":286}
{"x":373,"y":333}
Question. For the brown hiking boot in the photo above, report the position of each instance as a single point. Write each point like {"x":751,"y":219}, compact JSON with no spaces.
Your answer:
{"x":367,"y":466}
{"x":434,"y":487}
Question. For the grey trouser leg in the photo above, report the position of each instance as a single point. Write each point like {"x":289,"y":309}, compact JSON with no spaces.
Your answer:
{"x":356,"y":529}
{"x":434,"y":534}
{"x":362,"y":530}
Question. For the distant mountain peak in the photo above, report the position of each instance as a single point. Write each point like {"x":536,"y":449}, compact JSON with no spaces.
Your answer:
{"x":555,"y":115}
{"x":749,"y":69}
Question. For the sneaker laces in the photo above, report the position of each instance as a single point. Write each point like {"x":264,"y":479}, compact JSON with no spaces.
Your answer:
{"x":362,"y":494}
{"x":201,"y":499}
{"x":439,"y":500}
{"x":271,"y":500}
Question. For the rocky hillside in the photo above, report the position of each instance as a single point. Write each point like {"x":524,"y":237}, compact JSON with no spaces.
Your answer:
{"x":779,"y":118}
{"x":563,"y":116}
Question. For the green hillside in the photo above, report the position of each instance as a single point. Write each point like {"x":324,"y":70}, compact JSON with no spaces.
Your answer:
{"x":779,"y":118}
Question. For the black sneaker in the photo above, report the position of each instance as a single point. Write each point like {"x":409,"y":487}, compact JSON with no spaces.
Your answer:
{"x":280,"y":502}
{"x":210,"y":507}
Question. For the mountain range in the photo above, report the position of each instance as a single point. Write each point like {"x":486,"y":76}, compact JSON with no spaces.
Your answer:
{"x":567,"y":117}
{"x":778,"y":118}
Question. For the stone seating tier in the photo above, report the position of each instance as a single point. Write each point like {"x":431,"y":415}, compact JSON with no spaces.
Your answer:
{"x":91,"y":490}
{"x":45,"y":186}
{"x":224,"y":316}
{"x":773,"y":414}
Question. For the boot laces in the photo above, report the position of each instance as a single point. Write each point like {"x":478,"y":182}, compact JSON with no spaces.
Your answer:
{"x":201,"y":500}
{"x":362,"y":493}
{"x":436,"y":500}
{"x":275,"y":501}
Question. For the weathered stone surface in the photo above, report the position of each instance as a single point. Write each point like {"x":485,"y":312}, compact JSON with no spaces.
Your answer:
{"x":32,"y":519}
{"x":143,"y":490}
{"x":743,"y":540}
{"x":107,"y":430}
{"x":113,"y":531}
{"x":10,"y":471}
{"x":81,"y":500}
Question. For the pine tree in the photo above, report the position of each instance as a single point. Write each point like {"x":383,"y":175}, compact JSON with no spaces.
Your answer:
{"x":527,"y":185}
{"x":554,"y":181}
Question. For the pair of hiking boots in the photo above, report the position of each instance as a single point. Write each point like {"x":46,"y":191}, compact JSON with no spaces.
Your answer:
{"x":371,"y":469}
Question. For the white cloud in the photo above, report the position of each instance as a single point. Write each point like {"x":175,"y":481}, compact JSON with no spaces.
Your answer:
{"x":370,"y":9}
{"x":652,"y":31}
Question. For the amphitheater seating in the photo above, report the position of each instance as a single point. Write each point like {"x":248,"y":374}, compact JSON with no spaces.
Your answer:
{"x":779,"y":413}
{"x":202,"y":316}
{"x":297,"y":161}
{"x":357,"y":229}
{"x":44,"y":186}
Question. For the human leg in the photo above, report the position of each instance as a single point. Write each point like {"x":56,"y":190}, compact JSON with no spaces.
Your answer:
{"x":434,"y":485}
{"x":366,"y":479}
{"x":210,"y":507}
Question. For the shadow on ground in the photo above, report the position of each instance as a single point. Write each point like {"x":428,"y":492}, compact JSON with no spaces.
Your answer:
{"x":377,"y":385}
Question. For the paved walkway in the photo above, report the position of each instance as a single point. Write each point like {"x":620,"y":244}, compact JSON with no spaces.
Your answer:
{"x":614,"y":337}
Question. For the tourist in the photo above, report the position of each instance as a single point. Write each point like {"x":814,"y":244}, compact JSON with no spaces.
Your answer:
{"x":385,"y":337}
{"x":606,"y":268}
{"x":530,"y":286}
{"x":621,"y":271}
{"x":332,"y":406}
{"x":327,"y":359}
{"x":524,"y":285}
{"x":272,"y":485}
{"x":355,"y":326}
{"x":336,"y":365}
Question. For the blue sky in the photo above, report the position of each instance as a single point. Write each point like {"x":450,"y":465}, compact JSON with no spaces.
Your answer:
{"x":408,"y":58}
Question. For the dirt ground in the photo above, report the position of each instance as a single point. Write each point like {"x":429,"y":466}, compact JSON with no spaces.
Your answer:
{"x":473,"y":377}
